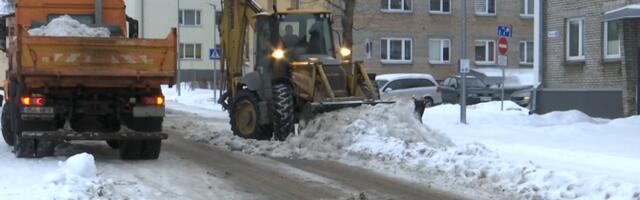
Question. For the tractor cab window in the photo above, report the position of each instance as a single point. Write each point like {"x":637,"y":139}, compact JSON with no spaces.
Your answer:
{"x":306,"y":34}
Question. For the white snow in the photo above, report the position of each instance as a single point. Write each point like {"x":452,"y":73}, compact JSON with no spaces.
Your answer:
{"x":65,"y":26}
{"x":562,"y":155}
{"x":75,"y":179}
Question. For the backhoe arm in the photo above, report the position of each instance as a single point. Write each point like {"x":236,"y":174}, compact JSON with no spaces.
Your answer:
{"x":237,"y":16}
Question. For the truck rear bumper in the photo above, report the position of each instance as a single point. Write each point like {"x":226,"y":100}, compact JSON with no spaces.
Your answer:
{"x":72,"y":135}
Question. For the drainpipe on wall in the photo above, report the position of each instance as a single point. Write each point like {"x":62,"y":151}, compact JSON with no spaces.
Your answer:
{"x":538,"y":51}
{"x":142,"y":19}
{"x":97,"y":12}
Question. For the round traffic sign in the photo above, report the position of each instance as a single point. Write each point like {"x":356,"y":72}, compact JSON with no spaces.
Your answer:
{"x":503,"y":46}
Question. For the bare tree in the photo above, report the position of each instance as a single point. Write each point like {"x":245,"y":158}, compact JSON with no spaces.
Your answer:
{"x":346,"y":7}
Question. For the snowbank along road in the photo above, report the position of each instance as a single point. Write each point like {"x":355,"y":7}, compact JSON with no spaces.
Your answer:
{"x":189,"y":170}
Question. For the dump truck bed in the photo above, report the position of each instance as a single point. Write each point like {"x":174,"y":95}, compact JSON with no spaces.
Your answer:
{"x":95,"y":62}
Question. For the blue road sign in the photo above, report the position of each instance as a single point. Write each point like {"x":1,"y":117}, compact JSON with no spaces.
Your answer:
{"x":505,"y":31}
{"x":214,"y":54}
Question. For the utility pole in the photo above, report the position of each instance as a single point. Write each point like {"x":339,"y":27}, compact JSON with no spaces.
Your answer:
{"x":463,"y":87}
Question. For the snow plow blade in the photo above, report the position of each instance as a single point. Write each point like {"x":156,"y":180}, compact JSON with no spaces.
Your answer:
{"x":321,"y":107}
{"x":72,"y":135}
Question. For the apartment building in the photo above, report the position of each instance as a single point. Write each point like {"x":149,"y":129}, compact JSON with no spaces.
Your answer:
{"x":197,"y":31}
{"x":591,"y":46}
{"x":424,"y":36}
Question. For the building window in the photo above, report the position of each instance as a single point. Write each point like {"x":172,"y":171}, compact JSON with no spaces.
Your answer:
{"x":485,"y":7}
{"x":395,"y":50}
{"x":526,"y":52}
{"x":485,"y":51}
{"x":189,"y":17}
{"x":190,"y":51}
{"x":440,"y":6}
{"x":526,"y":8}
{"x":396,"y":5}
{"x":574,"y":39}
{"x":612,"y":35}
{"x":439,"y":51}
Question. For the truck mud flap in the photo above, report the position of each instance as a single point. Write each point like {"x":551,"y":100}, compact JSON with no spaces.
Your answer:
{"x":72,"y":135}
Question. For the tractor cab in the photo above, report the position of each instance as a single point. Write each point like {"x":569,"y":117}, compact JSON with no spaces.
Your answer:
{"x":296,"y":36}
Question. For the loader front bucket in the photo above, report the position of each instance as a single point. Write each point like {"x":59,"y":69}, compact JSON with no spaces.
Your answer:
{"x":328,"y":106}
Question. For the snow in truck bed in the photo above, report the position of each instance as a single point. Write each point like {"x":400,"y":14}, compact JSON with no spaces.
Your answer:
{"x":66,"y":26}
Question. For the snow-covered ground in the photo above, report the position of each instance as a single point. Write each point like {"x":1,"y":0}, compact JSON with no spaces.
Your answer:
{"x":512,"y":155}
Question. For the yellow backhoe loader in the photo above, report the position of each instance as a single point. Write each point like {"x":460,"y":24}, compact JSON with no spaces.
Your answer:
{"x":296,"y":73}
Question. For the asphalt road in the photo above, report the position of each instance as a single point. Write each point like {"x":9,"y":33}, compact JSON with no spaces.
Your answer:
{"x":190,"y":170}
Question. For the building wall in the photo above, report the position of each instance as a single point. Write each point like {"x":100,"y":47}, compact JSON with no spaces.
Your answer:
{"x":420,"y":25}
{"x":157,"y":17}
{"x":594,"y":71}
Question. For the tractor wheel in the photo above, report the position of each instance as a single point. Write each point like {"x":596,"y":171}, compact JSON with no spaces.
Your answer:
{"x":284,"y":114}
{"x":7,"y":134}
{"x":244,"y":114}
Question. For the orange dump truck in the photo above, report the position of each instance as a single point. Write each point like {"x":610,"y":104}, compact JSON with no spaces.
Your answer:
{"x":85,"y":88}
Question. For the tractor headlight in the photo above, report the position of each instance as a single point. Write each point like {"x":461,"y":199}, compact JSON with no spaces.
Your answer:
{"x":345,"y":51}
{"x":278,"y":54}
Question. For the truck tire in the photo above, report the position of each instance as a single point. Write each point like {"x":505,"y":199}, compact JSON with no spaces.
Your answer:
{"x":151,"y":149}
{"x":284,"y":114}
{"x":114,"y":144}
{"x":130,"y":149}
{"x":7,"y":134}
{"x":140,"y":149}
{"x":146,"y":124}
{"x":24,"y":148}
{"x":244,"y":114}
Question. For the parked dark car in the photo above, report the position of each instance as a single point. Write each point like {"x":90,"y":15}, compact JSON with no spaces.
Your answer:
{"x":522,"y":97}
{"x":477,"y":90}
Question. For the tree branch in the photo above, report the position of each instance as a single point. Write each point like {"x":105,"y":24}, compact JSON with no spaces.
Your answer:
{"x":336,"y":5}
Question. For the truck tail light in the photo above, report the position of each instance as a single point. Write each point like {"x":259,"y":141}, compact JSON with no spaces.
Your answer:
{"x":32,"y":101}
{"x":157,"y":100}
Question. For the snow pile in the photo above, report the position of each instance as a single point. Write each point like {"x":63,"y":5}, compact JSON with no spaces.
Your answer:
{"x":66,"y":26}
{"x":334,"y":135}
{"x":198,"y":101}
{"x":560,"y":155}
{"x":76,"y":179}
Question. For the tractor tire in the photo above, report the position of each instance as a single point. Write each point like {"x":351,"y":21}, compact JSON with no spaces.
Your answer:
{"x":146,"y":124}
{"x":7,"y":134}
{"x":244,"y":114}
{"x":284,"y":113}
{"x":114,"y":144}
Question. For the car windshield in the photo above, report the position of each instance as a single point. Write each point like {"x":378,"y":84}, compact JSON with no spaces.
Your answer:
{"x":306,"y":34}
{"x":475,"y":83}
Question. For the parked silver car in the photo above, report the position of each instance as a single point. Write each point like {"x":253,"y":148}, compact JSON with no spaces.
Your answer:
{"x":406,"y":86}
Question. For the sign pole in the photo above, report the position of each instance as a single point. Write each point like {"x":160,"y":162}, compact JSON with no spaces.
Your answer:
{"x":464,"y":62}
{"x":504,"y":32}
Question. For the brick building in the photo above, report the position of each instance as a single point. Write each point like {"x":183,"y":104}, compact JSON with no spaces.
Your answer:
{"x":423,"y":36}
{"x":592,"y":44}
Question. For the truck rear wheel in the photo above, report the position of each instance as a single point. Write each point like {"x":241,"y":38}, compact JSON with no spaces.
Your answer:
{"x":114,"y":144}
{"x":244,"y":115}
{"x":140,"y":149}
{"x":284,"y":114}
{"x":7,"y":134}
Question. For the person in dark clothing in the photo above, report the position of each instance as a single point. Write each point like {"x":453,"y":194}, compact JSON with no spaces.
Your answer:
{"x":290,"y":40}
